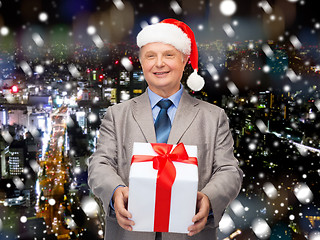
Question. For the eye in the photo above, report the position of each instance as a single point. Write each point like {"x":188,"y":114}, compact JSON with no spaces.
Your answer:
{"x":150,"y":56}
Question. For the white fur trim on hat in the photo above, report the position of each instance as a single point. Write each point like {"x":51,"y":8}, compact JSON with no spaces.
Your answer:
{"x":165,"y":33}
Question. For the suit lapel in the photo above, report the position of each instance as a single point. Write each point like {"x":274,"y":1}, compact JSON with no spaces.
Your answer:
{"x":143,"y":115}
{"x":186,"y":113}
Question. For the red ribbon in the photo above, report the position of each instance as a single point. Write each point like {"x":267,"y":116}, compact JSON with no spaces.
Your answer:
{"x":165,"y":178}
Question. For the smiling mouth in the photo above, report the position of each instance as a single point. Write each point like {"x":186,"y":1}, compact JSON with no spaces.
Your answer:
{"x":160,"y":73}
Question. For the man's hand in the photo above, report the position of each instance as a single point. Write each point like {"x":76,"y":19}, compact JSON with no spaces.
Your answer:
{"x":120,"y":203}
{"x":200,"y":219}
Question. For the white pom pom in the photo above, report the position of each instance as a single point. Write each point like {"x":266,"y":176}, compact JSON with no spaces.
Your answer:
{"x":195,"y":82}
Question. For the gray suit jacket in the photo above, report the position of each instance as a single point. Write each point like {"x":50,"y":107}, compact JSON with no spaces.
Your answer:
{"x":196,"y":123}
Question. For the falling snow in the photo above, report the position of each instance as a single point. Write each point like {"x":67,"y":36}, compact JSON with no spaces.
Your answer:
{"x":97,"y":41}
{"x":267,"y":50}
{"x":265,"y":6}
{"x":295,"y":42}
{"x":119,"y":4}
{"x":176,"y":7}
{"x":228,"y":30}
{"x":261,"y":228}
{"x":126,"y":63}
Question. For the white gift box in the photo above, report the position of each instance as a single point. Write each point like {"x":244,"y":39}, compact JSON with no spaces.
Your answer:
{"x":142,"y":191}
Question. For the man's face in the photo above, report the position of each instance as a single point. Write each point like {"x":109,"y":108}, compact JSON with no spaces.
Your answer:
{"x":163,"y":66}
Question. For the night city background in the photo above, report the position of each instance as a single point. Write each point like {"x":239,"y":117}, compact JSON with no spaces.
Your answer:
{"x":63,"y":63}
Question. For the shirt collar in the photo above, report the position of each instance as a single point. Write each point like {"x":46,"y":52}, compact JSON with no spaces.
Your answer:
{"x":155,"y":98}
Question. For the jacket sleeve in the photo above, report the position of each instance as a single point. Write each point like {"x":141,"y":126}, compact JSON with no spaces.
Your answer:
{"x":226,"y":180}
{"x":103,"y":164}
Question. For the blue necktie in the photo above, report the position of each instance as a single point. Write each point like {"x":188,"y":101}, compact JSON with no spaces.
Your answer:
{"x":163,"y":123}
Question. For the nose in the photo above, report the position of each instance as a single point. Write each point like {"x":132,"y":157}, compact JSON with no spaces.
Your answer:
{"x":160,"y":62}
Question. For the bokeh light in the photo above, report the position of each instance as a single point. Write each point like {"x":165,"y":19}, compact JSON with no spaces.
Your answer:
{"x":228,"y":7}
{"x":154,"y":20}
{"x":52,"y":201}
{"x":90,"y":207}
{"x":314,"y":235}
{"x":23,"y":219}
{"x":91,"y":30}
{"x":92,"y":117}
{"x":4,"y":31}
{"x":43,"y":16}
{"x":39,"y":69}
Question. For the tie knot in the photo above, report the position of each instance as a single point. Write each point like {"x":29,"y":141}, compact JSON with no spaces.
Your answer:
{"x":164,"y":103}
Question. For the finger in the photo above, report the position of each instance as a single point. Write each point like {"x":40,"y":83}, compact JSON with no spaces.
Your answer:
{"x":126,"y":227}
{"x":124,"y":212}
{"x":199,"y":223}
{"x":201,"y":214}
{"x":125,"y":196}
{"x":125,"y":222}
{"x":126,"y":193}
{"x":197,"y":227}
{"x":121,"y":209}
{"x":120,"y":205}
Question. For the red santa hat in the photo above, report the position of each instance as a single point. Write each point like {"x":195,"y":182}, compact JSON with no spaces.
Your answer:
{"x":179,"y":35}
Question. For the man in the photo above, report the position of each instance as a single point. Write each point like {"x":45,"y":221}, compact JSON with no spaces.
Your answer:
{"x":165,"y":48}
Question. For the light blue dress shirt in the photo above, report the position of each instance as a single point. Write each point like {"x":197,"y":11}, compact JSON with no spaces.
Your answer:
{"x":175,"y":99}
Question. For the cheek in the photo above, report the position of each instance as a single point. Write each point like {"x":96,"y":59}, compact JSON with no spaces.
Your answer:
{"x":177,"y":64}
{"x":179,"y":67}
{"x":146,"y":65}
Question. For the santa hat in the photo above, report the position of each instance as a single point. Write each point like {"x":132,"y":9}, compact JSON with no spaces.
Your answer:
{"x":179,"y":35}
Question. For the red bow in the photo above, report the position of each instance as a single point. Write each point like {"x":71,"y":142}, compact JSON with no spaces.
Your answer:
{"x":165,"y":178}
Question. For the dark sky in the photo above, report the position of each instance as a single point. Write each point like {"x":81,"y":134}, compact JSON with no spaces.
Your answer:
{"x":15,"y":13}
{"x":298,"y":18}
